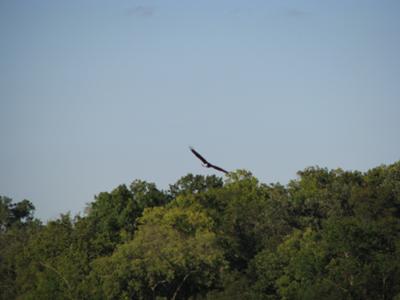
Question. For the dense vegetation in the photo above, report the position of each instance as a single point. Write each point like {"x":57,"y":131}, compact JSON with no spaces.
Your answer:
{"x":329,"y":234}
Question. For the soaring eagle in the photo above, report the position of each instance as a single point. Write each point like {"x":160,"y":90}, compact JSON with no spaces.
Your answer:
{"x":205,"y":162}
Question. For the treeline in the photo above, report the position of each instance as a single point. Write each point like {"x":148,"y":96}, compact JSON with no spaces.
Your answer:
{"x":329,"y":234}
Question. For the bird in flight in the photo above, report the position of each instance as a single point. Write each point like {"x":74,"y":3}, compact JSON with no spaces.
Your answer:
{"x":205,"y":162}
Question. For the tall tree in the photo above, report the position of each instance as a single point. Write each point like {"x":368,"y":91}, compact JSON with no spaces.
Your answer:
{"x":174,"y":254}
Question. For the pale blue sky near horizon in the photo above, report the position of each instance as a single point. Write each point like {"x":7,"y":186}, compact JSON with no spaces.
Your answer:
{"x":94,"y":94}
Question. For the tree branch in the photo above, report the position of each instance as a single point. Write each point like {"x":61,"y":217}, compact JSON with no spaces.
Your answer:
{"x":60,"y":275}
{"x":180,"y":285}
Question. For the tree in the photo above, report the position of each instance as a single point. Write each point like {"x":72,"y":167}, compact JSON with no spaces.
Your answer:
{"x":330,"y":234}
{"x":45,"y":268}
{"x":112,"y":217}
{"x":174,"y":254}
{"x":16,"y":226}
{"x":253,"y":218}
{"x":194,"y":184}
{"x":14,"y":213}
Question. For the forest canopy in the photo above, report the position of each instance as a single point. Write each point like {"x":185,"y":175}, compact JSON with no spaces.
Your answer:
{"x":328,"y":234}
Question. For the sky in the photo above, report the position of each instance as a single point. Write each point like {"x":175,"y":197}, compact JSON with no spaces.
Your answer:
{"x":94,"y":94}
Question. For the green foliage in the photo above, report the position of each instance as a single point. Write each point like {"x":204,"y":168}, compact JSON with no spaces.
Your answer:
{"x":14,"y":213}
{"x":346,"y":241}
{"x":173,"y":254}
{"x":16,"y":226}
{"x":194,"y":184}
{"x":112,"y":218}
{"x":252,"y":219}
{"x":329,"y":234}
{"x":44,"y":267}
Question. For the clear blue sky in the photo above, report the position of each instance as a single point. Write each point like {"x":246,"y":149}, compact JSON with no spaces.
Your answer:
{"x":98,"y":93}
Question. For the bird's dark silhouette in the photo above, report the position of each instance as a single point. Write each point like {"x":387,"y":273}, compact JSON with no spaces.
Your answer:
{"x":206,"y":163}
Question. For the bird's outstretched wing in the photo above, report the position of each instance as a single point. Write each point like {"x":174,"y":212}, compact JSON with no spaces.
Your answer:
{"x":197,"y":154}
{"x":207,"y":164}
{"x":218,"y":168}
